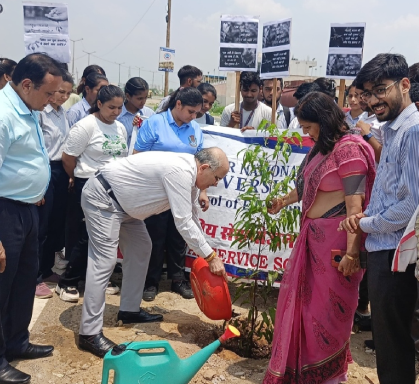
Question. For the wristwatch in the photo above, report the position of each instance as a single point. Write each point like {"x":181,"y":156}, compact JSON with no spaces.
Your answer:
{"x":367,"y":137}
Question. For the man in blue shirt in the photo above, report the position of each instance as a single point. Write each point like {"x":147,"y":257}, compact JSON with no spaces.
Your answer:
{"x":24,"y":178}
{"x":395,"y":196}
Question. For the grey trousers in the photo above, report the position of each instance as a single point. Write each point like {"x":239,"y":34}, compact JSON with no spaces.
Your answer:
{"x":109,"y":226}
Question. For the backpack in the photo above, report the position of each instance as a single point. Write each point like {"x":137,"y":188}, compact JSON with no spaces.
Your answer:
{"x":287,"y":114}
{"x":209,"y":119}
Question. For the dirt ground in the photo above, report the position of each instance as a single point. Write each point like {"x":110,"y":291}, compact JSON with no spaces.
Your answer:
{"x":184,"y":326}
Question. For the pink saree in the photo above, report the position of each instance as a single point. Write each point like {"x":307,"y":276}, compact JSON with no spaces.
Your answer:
{"x":316,"y":303}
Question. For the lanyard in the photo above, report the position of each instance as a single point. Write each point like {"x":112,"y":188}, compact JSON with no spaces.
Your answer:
{"x":249,"y":118}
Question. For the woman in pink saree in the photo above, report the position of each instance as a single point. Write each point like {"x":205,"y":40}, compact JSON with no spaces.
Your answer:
{"x":318,"y":298}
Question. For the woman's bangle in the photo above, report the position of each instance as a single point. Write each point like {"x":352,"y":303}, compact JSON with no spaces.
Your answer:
{"x":210,"y":257}
{"x":351,"y":257}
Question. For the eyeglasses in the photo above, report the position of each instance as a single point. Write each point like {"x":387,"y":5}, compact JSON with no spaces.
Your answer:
{"x":378,"y":93}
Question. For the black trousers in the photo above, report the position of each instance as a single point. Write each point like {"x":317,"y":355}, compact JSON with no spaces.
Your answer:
{"x":363,"y":300}
{"x":165,"y":236}
{"x":392,"y":299}
{"x":19,"y":235}
{"x":52,"y":216}
{"x":77,"y":259}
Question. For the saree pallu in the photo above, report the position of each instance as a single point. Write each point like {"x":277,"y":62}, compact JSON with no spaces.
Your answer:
{"x":316,"y":303}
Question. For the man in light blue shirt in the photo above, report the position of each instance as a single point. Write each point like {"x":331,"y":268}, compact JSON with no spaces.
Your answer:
{"x":395,"y":196}
{"x":24,"y":178}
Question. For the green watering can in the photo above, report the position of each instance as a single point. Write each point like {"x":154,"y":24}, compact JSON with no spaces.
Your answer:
{"x":133,"y":366}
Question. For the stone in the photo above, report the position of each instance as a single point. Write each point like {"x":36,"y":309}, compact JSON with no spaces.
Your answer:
{"x":209,"y":374}
{"x":241,"y":373}
{"x":372,"y":378}
{"x":60,"y":375}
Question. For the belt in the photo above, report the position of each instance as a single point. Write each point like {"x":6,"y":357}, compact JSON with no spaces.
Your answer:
{"x":106,"y":186}
{"x":15,"y":201}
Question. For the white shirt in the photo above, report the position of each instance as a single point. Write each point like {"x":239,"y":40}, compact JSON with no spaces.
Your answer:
{"x":152,"y":182}
{"x":262,"y":111}
{"x":55,"y":129}
{"x":375,"y":126}
{"x":281,"y":121}
{"x":95,"y":144}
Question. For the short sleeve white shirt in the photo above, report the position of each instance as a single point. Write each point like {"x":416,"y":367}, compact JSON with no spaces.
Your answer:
{"x":95,"y":144}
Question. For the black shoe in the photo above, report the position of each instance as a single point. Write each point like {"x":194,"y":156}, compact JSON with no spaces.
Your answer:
{"x":369,"y":344}
{"x":32,"y":352}
{"x":362,"y":321}
{"x":99,"y":345}
{"x":11,"y":375}
{"x":150,"y":293}
{"x":138,"y":317}
{"x":183,"y":288}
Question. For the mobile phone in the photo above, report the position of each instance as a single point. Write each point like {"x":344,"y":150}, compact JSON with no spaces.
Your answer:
{"x":337,"y":255}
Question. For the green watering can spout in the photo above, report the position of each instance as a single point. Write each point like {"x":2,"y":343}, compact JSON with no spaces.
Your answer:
{"x":140,"y":363}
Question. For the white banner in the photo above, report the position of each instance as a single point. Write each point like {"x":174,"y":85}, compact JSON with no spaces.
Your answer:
{"x":46,"y":30}
{"x":166,"y":59}
{"x":217,"y":222}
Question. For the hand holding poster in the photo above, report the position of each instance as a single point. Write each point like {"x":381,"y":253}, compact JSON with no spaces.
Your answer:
{"x":46,"y":30}
{"x":238,"y":43}
{"x":276,"y":49}
{"x":345,"y":50}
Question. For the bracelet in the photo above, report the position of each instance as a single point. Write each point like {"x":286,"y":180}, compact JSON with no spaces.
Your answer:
{"x":210,"y":257}
{"x":352,"y":258}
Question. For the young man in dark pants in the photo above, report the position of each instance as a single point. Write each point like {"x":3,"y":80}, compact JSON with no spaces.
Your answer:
{"x":395,"y":196}
{"x":24,"y":178}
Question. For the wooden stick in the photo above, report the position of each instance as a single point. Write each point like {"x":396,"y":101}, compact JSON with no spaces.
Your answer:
{"x":237,"y":100}
{"x":274,"y":105}
{"x":341,"y":93}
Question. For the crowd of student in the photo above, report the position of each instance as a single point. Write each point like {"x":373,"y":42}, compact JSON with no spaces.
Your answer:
{"x":96,"y":170}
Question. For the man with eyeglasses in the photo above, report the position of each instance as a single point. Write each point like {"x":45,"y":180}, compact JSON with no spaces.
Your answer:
{"x":395,"y":196}
{"x":116,"y":202}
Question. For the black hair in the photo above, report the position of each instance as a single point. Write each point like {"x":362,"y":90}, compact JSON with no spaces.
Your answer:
{"x":281,"y":81}
{"x":349,"y":88}
{"x":316,"y":107}
{"x":187,"y":96}
{"x":7,"y":66}
{"x":87,"y":71}
{"x":249,"y":78}
{"x":35,"y":67}
{"x":136,"y":85}
{"x":106,"y":93}
{"x":67,"y":77}
{"x":306,"y":88}
{"x":414,"y":92}
{"x":413,"y":73}
{"x":64,"y":66}
{"x":205,"y":88}
{"x":92,"y":81}
{"x":327,"y":86}
{"x":188,"y":72}
{"x":383,"y":66}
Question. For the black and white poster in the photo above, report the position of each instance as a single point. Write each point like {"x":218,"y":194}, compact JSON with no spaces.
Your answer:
{"x":276,"y":34}
{"x":46,"y":29}
{"x":276,"y":47}
{"x":238,"y":59}
{"x":238,"y":43}
{"x":343,"y":65}
{"x":345,"y":50}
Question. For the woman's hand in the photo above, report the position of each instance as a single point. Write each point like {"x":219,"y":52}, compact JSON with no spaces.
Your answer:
{"x":347,"y":266}
{"x":203,"y":200}
{"x":351,"y":224}
{"x":276,"y":204}
{"x":216,"y":266}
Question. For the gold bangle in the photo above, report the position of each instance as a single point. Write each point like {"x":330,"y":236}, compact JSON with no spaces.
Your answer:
{"x":210,"y":257}
{"x":351,"y":258}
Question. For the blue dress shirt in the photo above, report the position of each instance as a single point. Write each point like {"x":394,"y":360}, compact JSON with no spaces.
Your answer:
{"x":395,"y":195}
{"x":78,"y":111}
{"x":127,"y":118}
{"x":161,"y":133}
{"x":24,"y":162}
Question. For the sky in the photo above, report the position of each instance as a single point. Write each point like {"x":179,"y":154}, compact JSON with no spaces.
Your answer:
{"x":391,"y":26}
